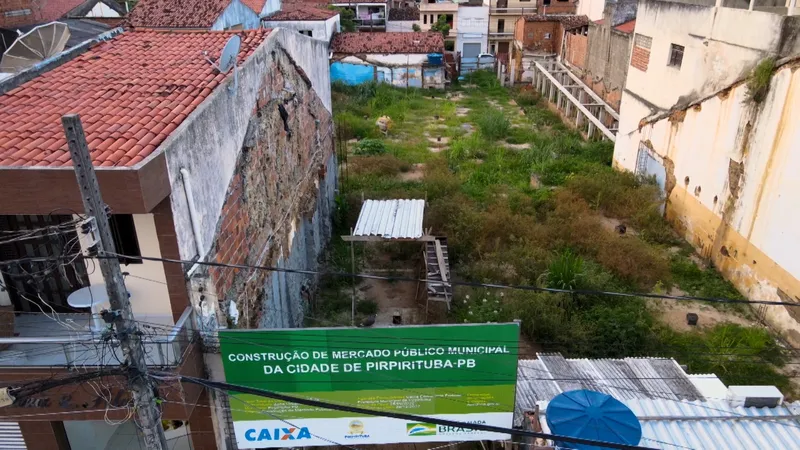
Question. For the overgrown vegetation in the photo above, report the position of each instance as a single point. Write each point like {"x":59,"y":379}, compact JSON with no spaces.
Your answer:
{"x":759,"y":80}
{"x":347,"y":18}
{"x":369,"y":147}
{"x":441,"y":25}
{"x":548,"y":212}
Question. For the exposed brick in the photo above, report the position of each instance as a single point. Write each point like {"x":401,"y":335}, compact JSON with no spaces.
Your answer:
{"x":640,"y":58}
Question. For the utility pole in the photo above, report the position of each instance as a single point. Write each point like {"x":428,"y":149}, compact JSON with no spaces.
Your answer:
{"x":149,"y":418}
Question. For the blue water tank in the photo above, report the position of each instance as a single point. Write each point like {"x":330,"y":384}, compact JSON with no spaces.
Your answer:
{"x":592,"y":415}
{"x":435,"y":59}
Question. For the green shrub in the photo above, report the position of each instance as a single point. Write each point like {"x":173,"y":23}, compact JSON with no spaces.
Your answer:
{"x":702,"y":282}
{"x":369,"y":147}
{"x":565,"y":271}
{"x":493,"y":125}
{"x":759,"y":80}
{"x":350,"y":126}
{"x":367,"y":307}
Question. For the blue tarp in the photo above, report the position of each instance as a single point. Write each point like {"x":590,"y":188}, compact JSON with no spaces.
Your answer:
{"x":351,"y":73}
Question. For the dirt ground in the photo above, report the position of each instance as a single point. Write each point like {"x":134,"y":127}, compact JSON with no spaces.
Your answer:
{"x":391,"y":298}
{"x":673,"y":313}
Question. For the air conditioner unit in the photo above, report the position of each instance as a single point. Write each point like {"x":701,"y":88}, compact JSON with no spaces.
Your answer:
{"x":755,"y":396}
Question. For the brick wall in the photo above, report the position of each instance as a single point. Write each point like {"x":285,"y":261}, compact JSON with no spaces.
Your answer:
{"x":576,"y":49}
{"x":640,"y":58}
{"x":541,"y":36}
{"x":278,"y":205}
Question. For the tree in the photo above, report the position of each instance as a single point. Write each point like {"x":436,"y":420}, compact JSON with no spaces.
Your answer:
{"x":415,"y":27}
{"x":441,"y":25}
{"x":346,"y":18}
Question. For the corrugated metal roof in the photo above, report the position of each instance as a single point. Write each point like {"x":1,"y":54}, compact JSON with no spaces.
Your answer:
{"x":714,"y":425}
{"x":630,"y":378}
{"x":391,"y":219}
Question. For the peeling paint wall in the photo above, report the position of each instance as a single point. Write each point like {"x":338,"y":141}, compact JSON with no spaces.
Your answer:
{"x":607,"y":62}
{"x":720,"y":46}
{"x":279,"y":202}
{"x":237,"y":14}
{"x":400,"y":70}
{"x":735,"y":192}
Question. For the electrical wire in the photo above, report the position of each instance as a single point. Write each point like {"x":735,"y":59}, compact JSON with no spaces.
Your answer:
{"x":224,"y":387}
{"x":112,"y":255}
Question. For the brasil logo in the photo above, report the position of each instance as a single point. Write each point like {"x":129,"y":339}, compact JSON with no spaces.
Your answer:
{"x":420,"y":429}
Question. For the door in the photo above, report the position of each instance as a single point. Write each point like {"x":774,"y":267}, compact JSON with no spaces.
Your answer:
{"x":471,"y":50}
{"x":502,"y":47}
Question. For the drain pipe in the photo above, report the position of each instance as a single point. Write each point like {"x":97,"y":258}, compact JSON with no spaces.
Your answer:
{"x":193,"y":216}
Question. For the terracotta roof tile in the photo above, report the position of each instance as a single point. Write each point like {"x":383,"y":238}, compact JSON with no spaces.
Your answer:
{"x":400,"y":42}
{"x":177,"y":13}
{"x":153,"y":71}
{"x":255,"y":5}
{"x":299,"y":11}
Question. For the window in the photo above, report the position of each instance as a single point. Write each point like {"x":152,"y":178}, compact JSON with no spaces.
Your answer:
{"x":424,"y":19}
{"x":546,"y":2}
{"x":125,"y":240}
{"x":547,"y":35}
{"x":501,"y":25}
{"x":306,"y":32}
{"x":675,"y":55}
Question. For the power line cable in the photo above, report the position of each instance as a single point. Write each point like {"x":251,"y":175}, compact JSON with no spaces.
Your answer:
{"x":224,"y":387}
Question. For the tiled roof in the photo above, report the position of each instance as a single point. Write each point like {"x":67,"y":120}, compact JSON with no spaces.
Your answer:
{"x":177,"y":13}
{"x":569,"y":21}
{"x":131,"y":93}
{"x":301,"y":12}
{"x":400,"y":42}
{"x":48,"y":11}
{"x":626,"y":27}
{"x":255,"y":5}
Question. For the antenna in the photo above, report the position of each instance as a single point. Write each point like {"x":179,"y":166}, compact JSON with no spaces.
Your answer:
{"x":227,"y":59}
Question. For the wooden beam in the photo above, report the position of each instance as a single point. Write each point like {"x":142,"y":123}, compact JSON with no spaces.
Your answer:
{"x":440,"y":259}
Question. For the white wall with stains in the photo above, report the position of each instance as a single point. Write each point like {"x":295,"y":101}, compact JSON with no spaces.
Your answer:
{"x":733,"y":189}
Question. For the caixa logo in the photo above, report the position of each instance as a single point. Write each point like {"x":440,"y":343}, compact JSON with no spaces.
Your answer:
{"x":277,"y":434}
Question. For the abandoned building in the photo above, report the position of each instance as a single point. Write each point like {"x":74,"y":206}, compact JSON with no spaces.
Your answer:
{"x":721,"y":146}
{"x":195,"y":165}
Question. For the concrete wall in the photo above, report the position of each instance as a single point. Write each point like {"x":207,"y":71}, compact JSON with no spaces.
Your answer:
{"x":721,"y":45}
{"x":237,"y":13}
{"x":593,"y":9}
{"x":147,"y":283}
{"x":473,"y":21}
{"x":402,"y":26}
{"x":209,"y":141}
{"x":400,"y":70}
{"x":322,"y":30}
{"x":606,"y":64}
{"x":732,"y":186}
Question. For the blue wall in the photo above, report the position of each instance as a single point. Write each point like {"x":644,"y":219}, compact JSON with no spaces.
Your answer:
{"x":352,"y":73}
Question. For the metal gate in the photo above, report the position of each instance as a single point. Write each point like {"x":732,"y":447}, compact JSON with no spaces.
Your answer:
{"x":31,"y":283}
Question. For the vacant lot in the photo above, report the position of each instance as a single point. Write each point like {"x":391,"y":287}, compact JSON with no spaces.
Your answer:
{"x":524,"y":200}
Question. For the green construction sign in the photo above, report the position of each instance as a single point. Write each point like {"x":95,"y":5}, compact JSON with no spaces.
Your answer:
{"x":441,"y":370}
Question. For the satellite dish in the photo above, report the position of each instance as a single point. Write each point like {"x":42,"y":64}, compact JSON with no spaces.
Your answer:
{"x":35,"y":46}
{"x":227,"y":59}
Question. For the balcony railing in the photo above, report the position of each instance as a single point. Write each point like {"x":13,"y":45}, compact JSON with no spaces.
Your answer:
{"x":513,"y":11}
{"x":370,"y":23}
{"x":501,"y":34}
{"x":64,"y":340}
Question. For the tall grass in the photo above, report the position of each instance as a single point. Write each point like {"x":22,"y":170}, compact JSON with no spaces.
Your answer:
{"x":493,"y":125}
